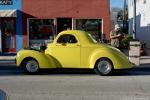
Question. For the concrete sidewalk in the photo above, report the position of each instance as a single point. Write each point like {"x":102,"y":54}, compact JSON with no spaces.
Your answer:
{"x":7,"y":58}
{"x":145,"y":60}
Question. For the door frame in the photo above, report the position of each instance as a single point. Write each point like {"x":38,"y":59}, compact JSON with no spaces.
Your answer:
{"x":4,"y":49}
{"x":63,"y":21}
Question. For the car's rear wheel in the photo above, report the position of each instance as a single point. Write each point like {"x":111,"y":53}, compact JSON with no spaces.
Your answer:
{"x":104,"y":67}
{"x":31,"y":66}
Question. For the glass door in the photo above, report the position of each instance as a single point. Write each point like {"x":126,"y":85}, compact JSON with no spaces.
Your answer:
{"x":8,"y":26}
{"x":64,"y":24}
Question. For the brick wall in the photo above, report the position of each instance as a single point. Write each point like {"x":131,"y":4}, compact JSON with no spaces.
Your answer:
{"x":66,"y":8}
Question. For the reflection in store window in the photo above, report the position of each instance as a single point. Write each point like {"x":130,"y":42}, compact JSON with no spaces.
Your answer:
{"x":9,"y":33}
{"x":93,"y":26}
{"x":41,"y":31}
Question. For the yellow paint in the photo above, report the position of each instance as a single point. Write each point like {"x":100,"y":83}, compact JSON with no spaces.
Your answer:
{"x":82,"y":54}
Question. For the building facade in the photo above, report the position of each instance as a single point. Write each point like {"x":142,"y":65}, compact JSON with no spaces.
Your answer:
{"x":142,"y":20}
{"x":38,"y":22}
{"x":10,"y":25}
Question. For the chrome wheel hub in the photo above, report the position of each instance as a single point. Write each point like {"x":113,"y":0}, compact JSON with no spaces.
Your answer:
{"x":104,"y":67}
{"x":32,"y":66}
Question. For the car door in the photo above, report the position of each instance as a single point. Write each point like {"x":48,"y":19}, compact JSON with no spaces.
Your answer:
{"x":67,"y":51}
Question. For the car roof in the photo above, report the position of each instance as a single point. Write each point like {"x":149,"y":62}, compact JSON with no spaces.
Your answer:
{"x":82,"y":36}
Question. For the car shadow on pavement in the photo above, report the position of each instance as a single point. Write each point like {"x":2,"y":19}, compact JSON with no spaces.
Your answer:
{"x":136,"y":71}
{"x":68,"y":72}
{"x":13,"y":71}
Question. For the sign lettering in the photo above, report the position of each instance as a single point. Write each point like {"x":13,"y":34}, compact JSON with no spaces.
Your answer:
{"x":6,"y":2}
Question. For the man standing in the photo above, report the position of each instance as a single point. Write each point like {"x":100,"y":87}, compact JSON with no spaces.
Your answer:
{"x":115,"y":36}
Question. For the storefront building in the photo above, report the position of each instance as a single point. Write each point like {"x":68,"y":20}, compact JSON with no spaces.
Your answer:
{"x":10,"y":26}
{"x":43,"y":20}
{"x":39,"y":21}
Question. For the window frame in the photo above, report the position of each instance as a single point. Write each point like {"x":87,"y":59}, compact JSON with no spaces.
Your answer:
{"x":61,"y":36}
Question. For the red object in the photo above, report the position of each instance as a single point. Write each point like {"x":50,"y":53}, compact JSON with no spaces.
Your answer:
{"x":45,"y":29}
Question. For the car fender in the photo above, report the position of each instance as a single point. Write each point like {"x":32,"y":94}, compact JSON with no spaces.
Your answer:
{"x":98,"y":54}
{"x":118,"y":60}
{"x":44,"y":60}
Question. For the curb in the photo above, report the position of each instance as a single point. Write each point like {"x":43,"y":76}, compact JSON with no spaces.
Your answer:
{"x":7,"y":58}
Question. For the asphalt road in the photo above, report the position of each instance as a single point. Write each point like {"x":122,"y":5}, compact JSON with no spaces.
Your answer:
{"x":75,"y":84}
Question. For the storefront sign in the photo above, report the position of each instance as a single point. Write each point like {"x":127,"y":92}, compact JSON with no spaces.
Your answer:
{"x":6,"y":2}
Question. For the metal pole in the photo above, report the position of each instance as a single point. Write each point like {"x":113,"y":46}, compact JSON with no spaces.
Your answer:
{"x":125,"y":26}
{"x":134,"y":19}
{"x":124,"y":8}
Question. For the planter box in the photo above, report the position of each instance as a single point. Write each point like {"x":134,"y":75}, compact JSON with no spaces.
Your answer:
{"x":134,"y":52}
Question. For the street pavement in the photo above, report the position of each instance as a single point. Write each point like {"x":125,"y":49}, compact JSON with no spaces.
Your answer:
{"x":66,"y":84}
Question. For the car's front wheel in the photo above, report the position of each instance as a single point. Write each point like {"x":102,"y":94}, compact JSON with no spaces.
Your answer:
{"x":31,"y":66}
{"x":104,"y":67}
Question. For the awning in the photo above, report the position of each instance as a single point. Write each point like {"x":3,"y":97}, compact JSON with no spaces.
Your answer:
{"x":8,"y":13}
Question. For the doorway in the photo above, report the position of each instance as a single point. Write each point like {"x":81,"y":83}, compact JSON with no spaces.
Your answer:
{"x":64,"y":24}
{"x":8,"y":30}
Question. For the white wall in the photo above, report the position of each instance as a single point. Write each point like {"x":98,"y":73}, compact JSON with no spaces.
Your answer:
{"x":142,"y":20}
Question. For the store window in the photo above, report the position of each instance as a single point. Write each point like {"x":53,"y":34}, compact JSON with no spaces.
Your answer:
{"x":41,"y":31}
{"x":93,"y":26}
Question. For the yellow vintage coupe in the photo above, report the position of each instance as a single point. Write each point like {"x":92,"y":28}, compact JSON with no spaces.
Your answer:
{"x":74,"y":49}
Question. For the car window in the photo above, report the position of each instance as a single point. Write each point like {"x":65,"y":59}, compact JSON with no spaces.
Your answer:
{"x":67,"y":39}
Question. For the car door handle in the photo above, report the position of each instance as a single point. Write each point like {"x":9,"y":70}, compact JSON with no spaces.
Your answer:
{"x":78,"y":44}
{"x":61,"y":44}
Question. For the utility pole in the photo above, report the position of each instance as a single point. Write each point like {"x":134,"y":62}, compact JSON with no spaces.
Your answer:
{"x":125,"y":16}
{"x":134,"y":19}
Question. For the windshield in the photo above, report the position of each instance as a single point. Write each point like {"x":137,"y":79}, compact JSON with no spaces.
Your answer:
{"x":92,"y":38}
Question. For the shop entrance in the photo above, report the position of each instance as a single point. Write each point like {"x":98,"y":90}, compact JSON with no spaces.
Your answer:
{"x":8,"y":33}
{"x":64,"y":24}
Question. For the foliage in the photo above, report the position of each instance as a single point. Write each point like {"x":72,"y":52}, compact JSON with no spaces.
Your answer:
{"x":125,"y":41}
{"x":26,"y":47}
